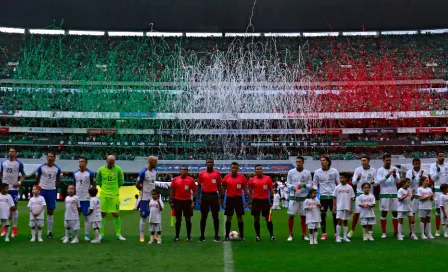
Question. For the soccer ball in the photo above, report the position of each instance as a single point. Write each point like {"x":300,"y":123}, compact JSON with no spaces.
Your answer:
{"x":234,"y":235}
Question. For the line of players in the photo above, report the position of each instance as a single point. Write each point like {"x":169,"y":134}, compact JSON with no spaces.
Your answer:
{"x":258,"y":193}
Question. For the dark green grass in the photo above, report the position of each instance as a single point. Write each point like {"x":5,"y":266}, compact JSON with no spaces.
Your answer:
{"x":131,"y":255}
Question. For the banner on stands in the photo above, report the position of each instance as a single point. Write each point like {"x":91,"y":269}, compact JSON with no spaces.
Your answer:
{"x":431,"y":130}
{"x":102,"y":131}
{"x":379,"y":130}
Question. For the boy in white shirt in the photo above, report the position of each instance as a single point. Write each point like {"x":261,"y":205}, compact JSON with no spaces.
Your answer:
{"x":404,"y":208}
{"x":276,"y":203}
{"x":6,"y":209}
{"x":342,"y":206}
{"x":366,"y":203}
{"x":72,"y":211}
{"x":155,"y":217}
{"x":95,"y":214}
{"x":36,"y":205}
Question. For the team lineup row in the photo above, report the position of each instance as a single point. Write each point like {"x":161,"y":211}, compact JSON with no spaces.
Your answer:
{"x":335,"y":194}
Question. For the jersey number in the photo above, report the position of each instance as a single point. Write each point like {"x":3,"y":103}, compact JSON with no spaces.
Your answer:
{"x":49,"y":176}
{"x":109,"y":178}
{"x":9,"y":170}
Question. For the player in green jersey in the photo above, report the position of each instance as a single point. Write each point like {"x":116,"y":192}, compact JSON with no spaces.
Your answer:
{"x":110,"y":178}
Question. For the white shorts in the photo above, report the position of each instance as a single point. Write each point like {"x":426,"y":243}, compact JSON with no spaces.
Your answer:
{"x":36,"y":223}
{"x":155,"y":227}
{"x":296,"y":207}
{"x":71,"y":224}
{"x":96,"y":225}
{"x":405,"y":214}
{"x":4,"y":222}
{"x":388,"y":204}
{"x":437,"y":199}
{"x":414,"y":206}
{"x":344,"y":215}
{"x":368,"y":221}
{"x":313,"y":226}
{"x":424,"y":213}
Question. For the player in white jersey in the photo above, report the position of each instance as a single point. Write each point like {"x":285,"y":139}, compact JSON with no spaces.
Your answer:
{"x":10,"y":170}
{"x":155,"y":206}
{"x":95,"y":217}
{"x":366,"y":203}
{"x":364,"y":173}
{"x":414,"y":175}
{"x":342,"y":206}
{"x":83,"y":179}
{"x":443,"y":204}
{"x":326,"y":179}
{"x":6,"y":207}
{"x":405,"y":195}
{"x":425,"y":197}
{"x":439,"y":174}
{"x":146,"y":183}
{"x":48,"y":178}
{"x":276,"y":202}
{"x":297,"y":182}
{"x":312,"y":210}
{"x":388,"y":177}
{"x":36,"y":206}
{"x":71,"y":218}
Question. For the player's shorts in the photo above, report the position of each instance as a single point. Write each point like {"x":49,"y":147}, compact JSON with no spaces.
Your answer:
{"x":36,"y":223}
{"x":313,"y":226}
{"x":155,"y":227}
{"x":296,"y":207}
{"x":96,"y":225}
{"x":424,"y":213}
{"x":144,"y":209}
{"x":260,"y":206}
{"x":210,"y":201}
{"x":437,"y":199}
{"x":85,"y":204}
{"x":388,"y":204}
{"x":405,"y":214}
{"x":234,"y":204}
{"x":343,"y":215}
{"x":326,"y":204}
{"x":110,"y":204}
{"x":50,"y":198}
{"x":414,"y":205}
{"x":15,"y":196}
{"x":4,"y":222}
{"x":182,"y":207}
{"x":71,"y":224}
{"x":368,"y":221}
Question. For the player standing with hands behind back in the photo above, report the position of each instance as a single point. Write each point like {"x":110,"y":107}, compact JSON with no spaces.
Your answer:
{"x":110,"y":178}
{"x":209,"y":183}
{"x":261,"y":195}
{"x":439,"y":174}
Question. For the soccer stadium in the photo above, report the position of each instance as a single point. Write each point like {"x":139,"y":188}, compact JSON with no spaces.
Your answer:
{"x":224,"y":136}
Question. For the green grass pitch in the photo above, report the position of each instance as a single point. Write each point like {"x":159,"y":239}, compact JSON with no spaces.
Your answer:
{"x":131,"y":255}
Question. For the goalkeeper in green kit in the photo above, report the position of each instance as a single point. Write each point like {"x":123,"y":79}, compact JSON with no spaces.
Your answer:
{"x":110,"y":178}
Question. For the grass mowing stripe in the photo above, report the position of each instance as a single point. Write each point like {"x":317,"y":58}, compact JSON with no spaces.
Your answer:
{"x":228,"y":255}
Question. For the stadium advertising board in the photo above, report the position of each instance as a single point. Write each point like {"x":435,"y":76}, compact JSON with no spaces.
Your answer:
{"x":362,"y":144}
{"x":434,"y":142}
{"x":440,"y":113}
{"x":431,"y":130}
{"x":4,"y":130}
{"x":379,"y":130}
{"x":136,"y":115}
{"x":244,"y":168}
{"x":172,"y":131}
{"x":102,"y":131}
{"x":326,"y":131}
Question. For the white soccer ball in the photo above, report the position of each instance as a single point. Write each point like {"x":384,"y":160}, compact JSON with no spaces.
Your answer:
{"x":234,"y":235}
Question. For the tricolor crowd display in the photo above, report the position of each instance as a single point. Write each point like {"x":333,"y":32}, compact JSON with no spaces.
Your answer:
{"x":94,"y":195}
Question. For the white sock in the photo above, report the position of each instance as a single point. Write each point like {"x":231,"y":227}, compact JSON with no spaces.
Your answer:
{"x":422,"y":228}
{"x":345,"y":231}
{"x":87,"y":225}
{"x":364,"y":231}
{"x":15,"y":218}
{"x":39,"y":233}
{"x":67,"y":233}
{"x":8,"y":228}
{"x":50,"y":223}
{"x":338,"y":231}
{"x":412,"y":228}
{"x":97,"y":234}
{"x":446,"y":228}
{"x":159,"y":236}
{"x":142,"y":226}
{"x":33,"y":233}
{"x":400,"y":228}
{"x":75,"y":234}
{"x":370,"y":233}
{"x":311,"y":237}
{"x":152,"y":238}
{"x":428,"y":228}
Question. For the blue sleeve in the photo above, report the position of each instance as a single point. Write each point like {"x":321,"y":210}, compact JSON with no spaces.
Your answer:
{"x":59,"y":172}
{"x":74,"y":179}
{"x":92,"y":177}
{"x":39,"y":171}
{"x":141,"y":176}
{"x":21,"y":168}
{"x":1,"y":167}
